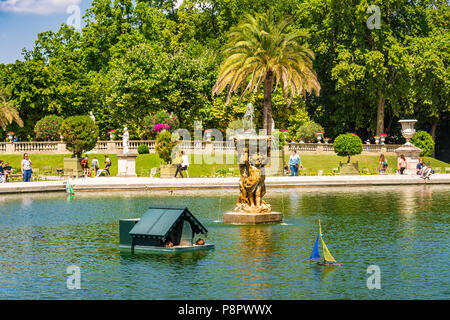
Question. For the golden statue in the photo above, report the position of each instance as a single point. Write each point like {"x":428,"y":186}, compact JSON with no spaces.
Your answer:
{"x":251,"y":185}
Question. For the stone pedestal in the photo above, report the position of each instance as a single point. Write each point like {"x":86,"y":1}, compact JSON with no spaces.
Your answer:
{"x":349,"y":169}
{"x":169,"y":170}
{"x":252,"y":218}
{"x":72,"y":167}
{"x":411,"y":153}
{"x":126,"y":165}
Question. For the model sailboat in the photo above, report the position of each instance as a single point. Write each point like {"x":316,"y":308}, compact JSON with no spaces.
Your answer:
{"x":69,"y":189}
{"x":328,"y":259}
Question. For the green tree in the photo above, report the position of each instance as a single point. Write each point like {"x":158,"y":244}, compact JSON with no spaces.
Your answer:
{"x":348,"y":145}
{"x":80,"y":134}
{"x":308,"y":131}
{"x":261,"y":50}
{"x":365,"y":72}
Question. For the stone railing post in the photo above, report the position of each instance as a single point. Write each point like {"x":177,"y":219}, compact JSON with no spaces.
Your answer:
{"x":10,"y":148}
{"x":209,"y":148}
{"x":319,"y":149}
{"x":111,"y":147}
{"x":61,"y":147}
{"x":383,"y":149}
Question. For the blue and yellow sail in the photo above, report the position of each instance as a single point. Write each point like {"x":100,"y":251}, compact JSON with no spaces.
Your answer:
{"x":327,"y":257}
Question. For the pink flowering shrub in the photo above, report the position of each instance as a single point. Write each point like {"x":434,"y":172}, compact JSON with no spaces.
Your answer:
{"x":48,"y":128}
{"x":161,"y":126}
{"x":155,"y":123}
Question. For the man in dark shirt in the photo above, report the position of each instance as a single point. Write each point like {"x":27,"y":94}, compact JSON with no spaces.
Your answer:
{"x":7,"y":170}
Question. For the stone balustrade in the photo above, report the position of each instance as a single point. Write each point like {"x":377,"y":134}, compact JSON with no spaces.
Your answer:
{"x":114,"y":147}
{"x":328,"y":148}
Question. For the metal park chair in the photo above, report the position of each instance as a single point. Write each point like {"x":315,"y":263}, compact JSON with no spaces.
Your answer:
{"x":60,"y":172}
{"x":335,"y":171}
{"x":47,"y":170}
{"x":153,"y":172}
{"x":447,"y":169}
{"x":365,"y":171}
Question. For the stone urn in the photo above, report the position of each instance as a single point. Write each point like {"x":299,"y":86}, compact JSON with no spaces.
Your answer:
{"x":408,"y":130}
{"x":111,"y":134}
{"x":377,"y":140}
{"x":319,"y":136}
{"x":410,"y":151}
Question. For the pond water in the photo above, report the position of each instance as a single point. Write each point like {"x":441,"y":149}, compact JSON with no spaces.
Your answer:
{"x":404,"y":230}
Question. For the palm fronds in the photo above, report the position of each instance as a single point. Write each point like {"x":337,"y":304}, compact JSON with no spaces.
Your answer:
{"x":8,"y":111}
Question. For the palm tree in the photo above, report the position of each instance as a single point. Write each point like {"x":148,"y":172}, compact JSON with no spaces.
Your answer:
{"x":258,"y":50}
{"x":8,"y":112}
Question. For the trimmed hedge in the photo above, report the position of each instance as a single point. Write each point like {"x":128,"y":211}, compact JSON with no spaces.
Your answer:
{"x":143,"y":149}
{"x":164,"y":146}
{"x":347,"y":145}
{"x":424,"y":141}
{"x":80,"y":134}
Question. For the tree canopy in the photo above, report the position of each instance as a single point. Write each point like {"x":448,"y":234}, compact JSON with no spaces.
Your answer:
{"x":134,"y":58}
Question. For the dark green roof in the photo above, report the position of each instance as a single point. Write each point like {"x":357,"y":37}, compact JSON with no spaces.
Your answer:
{"x":158,"y":221}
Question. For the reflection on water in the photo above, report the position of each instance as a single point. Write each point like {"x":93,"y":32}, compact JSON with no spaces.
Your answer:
{"x":402,"y":229}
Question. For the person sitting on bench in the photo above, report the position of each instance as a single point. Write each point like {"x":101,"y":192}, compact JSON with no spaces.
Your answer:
{"x":7,"y":170}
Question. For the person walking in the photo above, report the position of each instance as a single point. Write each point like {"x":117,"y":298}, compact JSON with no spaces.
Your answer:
{"x":85,"y":166}
{"x":26,"y":168}
{"x":401,"y":164}
{"x":382,"y":164}
{"x":95,"y":166}
{"x":294,"y":163}
{"x":183,"y":165}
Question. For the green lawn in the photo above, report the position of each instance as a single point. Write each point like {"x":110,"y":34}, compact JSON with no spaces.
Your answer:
{"x":147,"y":161}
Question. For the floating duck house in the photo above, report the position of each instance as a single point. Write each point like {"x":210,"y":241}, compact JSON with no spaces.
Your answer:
{"x":162,"y":228}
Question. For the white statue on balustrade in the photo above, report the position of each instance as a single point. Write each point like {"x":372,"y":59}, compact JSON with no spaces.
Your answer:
{"x":125,"y":140}
{"x":91,"y":115}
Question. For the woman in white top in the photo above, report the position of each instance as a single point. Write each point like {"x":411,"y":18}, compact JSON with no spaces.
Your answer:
{"x":26,"y":168}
